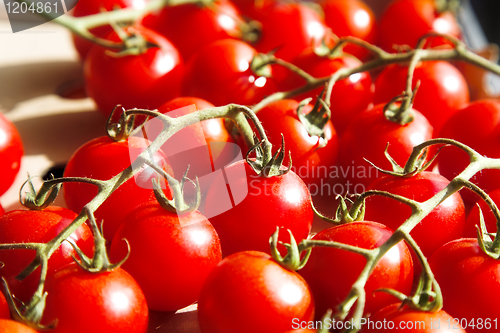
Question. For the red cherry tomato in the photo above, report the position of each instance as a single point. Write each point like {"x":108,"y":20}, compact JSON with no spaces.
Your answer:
{"x":405,"y":319}
{"x":289,"y":28}
{"x":220,"y":73}
{"x":251,"y":291}
{"x":107,"y":302}
{"x":489,"y":218}
{"x":468,"y":276}
{"x":367,"y":136}
{"x":11,"y":152}
{"x":134,"y":81}
{"x":443,"y":89}
{"x":102,"y":159}
{"x":332,"y":282}
{"x":11,"y":326}
{"x":2,"y":211}
{"x":445,"y":223}
{"x":405,"y":21}
{"x":90,"y":7}
{"x":349,"y":96}
{"x":192,"y":26}
{"x":245,"y":209}
{"x":477,"y":126}
{"x":170,"y":254}
{"x":37,"y":226}
{"x":351,"y":18}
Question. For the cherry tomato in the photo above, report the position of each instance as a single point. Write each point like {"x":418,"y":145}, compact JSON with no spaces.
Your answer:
{"x":90,"y":7}
{"x":332,"y":282}
{"x":489,"y":218}
{"x":220,"y":73}
{"x":38,"y":226}
{"x":2,"y":211}
{"x":349,"y":96}
{"x":468,"y":276}
{"x":445,"y":223}
{"x":192,"y":26}
{"x":170,"y":254}
{"x":246,"y":209}
{"x":351,"y":18}
{"x":477,"y":126}
{"x":4,"y":308}
{"x":146,"y":80}
{"x":251,"y":291}
{"x":87,"y":302}
{"x":11,"y":326}
{"x":102,"y":158}
{"x":289,"y":28}
{"x":443,"y":89}
{"x":405,"y":21}
{"x":405,"y":319}
{"x":367,"y":136}
{"x":11,"y":152}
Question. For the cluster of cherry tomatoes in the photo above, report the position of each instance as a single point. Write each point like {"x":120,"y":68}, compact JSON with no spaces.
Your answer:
{"x":176,"y":248}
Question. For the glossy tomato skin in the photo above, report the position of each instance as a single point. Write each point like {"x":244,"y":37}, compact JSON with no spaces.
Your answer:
{"x":90,"y":7}
{"x":405,"y":319}
{"x":351,"y":18}
{"x":134,"y":81}
{"x":442,"y":92}
{"x":38,"y":226}
{"x":2,"y":211}
{"x":11,"y":152}
{"x":220,"y":73}
{"x":191,"y":26}
{"x":11,"y":326}
{"x":489,"y":219}
{"x":87,"y":302}
{"x":349,"y":96}
{"x":249,"y":290}
{"x":331,"y":286}
{"x":445,"y":223}
{"x":468,"y":276}
{"x":477,"y":126}
{"x":405,"y":21}
{"x":289,"y":28}
{"x":102,"y":158}
{"x":367,"y":137}
{"x":170,"y":255}
{"x":248,"y":214}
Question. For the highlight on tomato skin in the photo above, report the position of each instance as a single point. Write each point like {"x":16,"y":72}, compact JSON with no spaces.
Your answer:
{"x":11,"y":153}
{"x":252,"y":292}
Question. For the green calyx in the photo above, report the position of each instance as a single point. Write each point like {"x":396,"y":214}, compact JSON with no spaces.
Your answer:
{"x":38,"y":201}
{"x":272,"y":167}
{"x":132,"y":43}
{"x":291,"y":260}
{"x":122,"y":129}
{"x":344,"y":213}
{"x":260,"y":64}
{"x":315,"y":120}
{"x":447,"y":6}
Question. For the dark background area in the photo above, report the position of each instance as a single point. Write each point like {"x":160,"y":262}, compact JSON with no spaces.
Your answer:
{"x":488,"y":14}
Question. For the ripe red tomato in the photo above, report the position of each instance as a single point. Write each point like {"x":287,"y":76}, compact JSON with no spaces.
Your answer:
{"x":102,"y":158}
{"x":38,"y":226}
{"x":443,"y":89}
{"x":405,"y":21}
{"x":489,"y":219}
{"x":251,"y":291}
{"x":88,"y":302}
{"x":11,"y":152}
{"x":468,"y":276}
{"x":2,"y":211}
{"x":90,"y":7}
{"x":4,"y":308}
{"x":367,"y":136}
{"x":170,"y":254}
{"x":349,"y":96}
{"x":289,"y":28}
{"x":332,"y":282}
{"x":351,"y":18}
{"x":11,"y":326}
{"x":245,"y":209}
{"x":445,"y":223}
{"x":134,"y":81}
{"x":192,"y":26}
{"x":220,"y":73}
{"x":405,"y":319}
{"x":477,"y":126}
